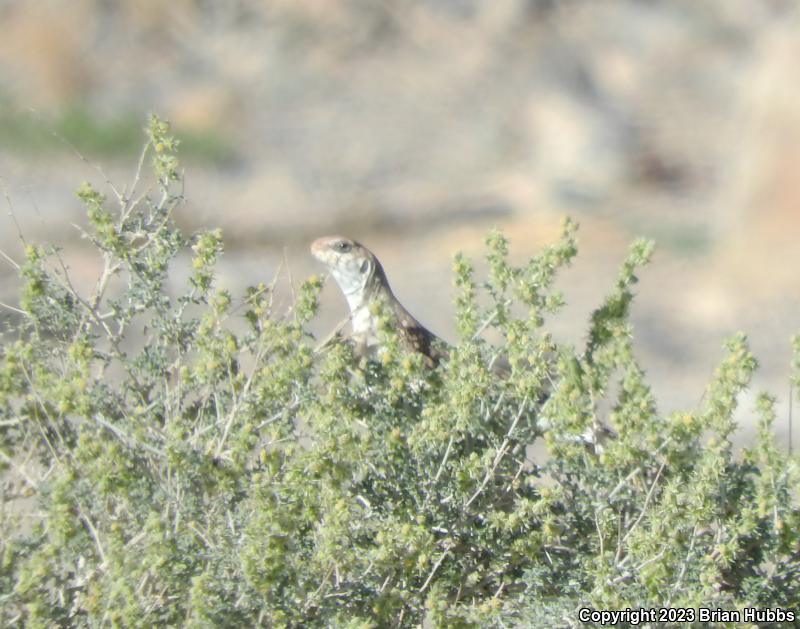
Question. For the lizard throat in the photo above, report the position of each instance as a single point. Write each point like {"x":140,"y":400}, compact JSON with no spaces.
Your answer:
{"x":354,"y":288}
{"x":361,"y":290}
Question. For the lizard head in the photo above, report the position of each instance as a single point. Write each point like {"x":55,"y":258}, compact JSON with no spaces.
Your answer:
{"x":354,"y":267}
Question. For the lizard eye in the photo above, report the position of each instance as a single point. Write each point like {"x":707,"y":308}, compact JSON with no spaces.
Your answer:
{"x":342,"y":246}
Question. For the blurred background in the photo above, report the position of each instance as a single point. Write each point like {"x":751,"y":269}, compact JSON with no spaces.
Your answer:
{"x":418,"y":125}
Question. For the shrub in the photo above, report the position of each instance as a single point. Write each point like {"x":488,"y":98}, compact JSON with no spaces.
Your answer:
{"x":195,"y":462}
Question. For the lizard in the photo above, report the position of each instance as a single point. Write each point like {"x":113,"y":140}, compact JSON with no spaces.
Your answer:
{"x":361,"y":278}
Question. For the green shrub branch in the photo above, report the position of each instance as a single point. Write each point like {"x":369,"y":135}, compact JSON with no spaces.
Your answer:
{"x":192,"y":460}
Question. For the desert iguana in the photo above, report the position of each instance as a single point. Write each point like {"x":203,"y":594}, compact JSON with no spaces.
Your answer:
{"x":363,"y":281}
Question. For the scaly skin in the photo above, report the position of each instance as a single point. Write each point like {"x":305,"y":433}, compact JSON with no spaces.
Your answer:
{"x":363,"y":281}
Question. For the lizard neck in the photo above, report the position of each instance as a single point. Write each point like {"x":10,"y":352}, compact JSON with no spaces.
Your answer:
{"x":361,"y":293}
